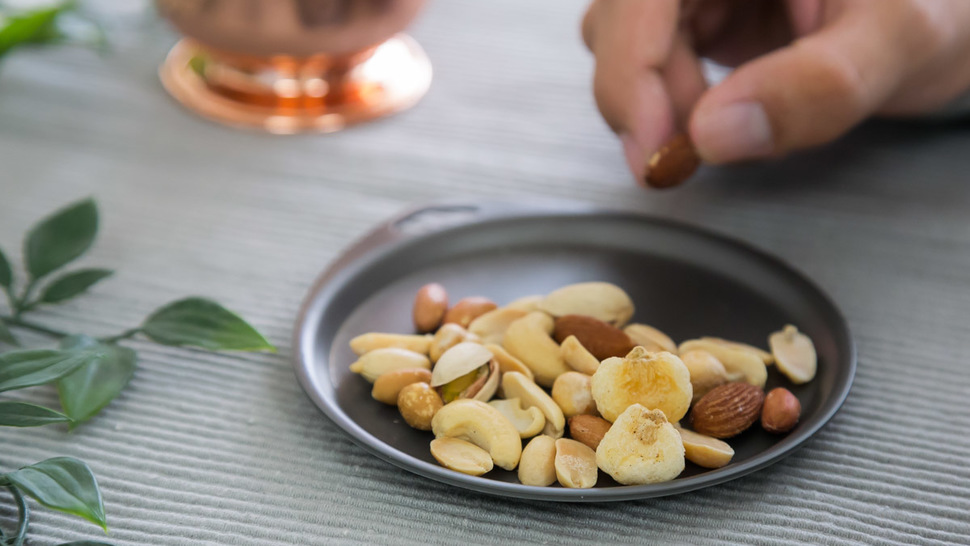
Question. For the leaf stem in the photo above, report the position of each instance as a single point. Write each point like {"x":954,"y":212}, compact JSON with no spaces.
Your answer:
{"x":127,"y":334}
{"x":15,"y":321}
{"x":24,"y":510}
{"x":21,"y":306}
{"x":11,"y":299}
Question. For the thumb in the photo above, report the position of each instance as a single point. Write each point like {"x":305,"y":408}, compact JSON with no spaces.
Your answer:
{"x":805,"y":94}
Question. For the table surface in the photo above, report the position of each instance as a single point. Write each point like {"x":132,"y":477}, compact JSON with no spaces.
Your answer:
{"x":226,"y":449}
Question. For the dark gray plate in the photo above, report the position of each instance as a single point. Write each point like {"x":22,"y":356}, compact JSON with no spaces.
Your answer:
{"x":684,"y":280}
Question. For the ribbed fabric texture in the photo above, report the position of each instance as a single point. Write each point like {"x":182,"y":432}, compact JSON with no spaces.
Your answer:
{"x":225,"y":448}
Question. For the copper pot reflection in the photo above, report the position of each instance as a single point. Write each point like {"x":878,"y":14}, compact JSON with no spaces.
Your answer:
{"x":289,"y":66}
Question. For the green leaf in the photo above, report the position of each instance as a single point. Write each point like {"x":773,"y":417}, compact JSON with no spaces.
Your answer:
{"x":203,"y":323}
{"x":95,"y":384}
{"x":21,"y":414}
{"x":6,"y":272}
{"x":73,"y":284}
{"x":36,"y":26}
{"x":63,"y":484}
{"x":21,"y":369}
{"x":61,"y":238}
{"x":6,"y":336}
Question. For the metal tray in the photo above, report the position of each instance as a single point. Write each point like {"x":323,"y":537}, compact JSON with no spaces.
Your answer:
{"x":687,"y":281}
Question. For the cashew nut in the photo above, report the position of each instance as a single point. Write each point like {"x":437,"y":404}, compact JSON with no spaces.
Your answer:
{"x":650,"y":338}
{"x":516,"y":385}
{"x":482,"y":425}
{"x":528,"y":339}
{"x":577,"y":357}
{"x":492,"y":325}
{"x":765,"y":356}
{"x":528,"y":421}
{"x":508,"y":363}
{"x":735,"y":359}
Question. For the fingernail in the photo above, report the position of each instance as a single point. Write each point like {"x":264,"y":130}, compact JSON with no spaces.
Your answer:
{"x":636,"y":157}
{"x":735,"y":131}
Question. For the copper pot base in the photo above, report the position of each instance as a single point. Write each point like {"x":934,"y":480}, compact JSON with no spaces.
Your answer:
{"x":287,"y":96}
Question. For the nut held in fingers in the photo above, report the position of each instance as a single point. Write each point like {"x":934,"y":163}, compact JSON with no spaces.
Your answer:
{"x":673,"y":164}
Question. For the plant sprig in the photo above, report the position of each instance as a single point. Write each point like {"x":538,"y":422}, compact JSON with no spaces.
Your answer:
{"x":88,"y":372}
{"x":41,"y":26}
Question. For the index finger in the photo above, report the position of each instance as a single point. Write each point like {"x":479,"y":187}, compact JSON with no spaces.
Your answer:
{"x":631,"y":40}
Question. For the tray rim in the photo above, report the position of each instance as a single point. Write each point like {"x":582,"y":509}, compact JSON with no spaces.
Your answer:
{"x":385,"y":238}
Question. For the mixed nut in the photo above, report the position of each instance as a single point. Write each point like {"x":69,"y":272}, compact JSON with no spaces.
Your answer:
{"x":567,"y":377}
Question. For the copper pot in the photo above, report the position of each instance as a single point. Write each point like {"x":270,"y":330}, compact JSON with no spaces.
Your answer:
{"x":288,"y":66}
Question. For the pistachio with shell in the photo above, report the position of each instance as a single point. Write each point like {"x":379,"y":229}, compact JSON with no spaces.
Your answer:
{"x":467,"y":370}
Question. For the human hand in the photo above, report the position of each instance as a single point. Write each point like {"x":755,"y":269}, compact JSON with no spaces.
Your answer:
{"x":807,"y":70}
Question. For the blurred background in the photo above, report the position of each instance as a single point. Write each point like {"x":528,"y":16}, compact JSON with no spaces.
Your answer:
{"x":189,"y":206}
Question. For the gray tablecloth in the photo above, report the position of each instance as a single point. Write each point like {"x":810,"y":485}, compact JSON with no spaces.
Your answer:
{"x":226,"y":449}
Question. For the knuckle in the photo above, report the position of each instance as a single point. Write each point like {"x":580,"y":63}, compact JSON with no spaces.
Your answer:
{"x":837,"y":78}
{"x":926,"y":26}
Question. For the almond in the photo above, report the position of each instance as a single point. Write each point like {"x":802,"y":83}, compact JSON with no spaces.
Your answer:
{"x":468,"y":309}
{"x":599,"y":338}
{"x":588,"y":429}
{"x":674,"y":163}
{"x":728,"y":410}
{"x":430,"y":305}
{"x":781,"y":411}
